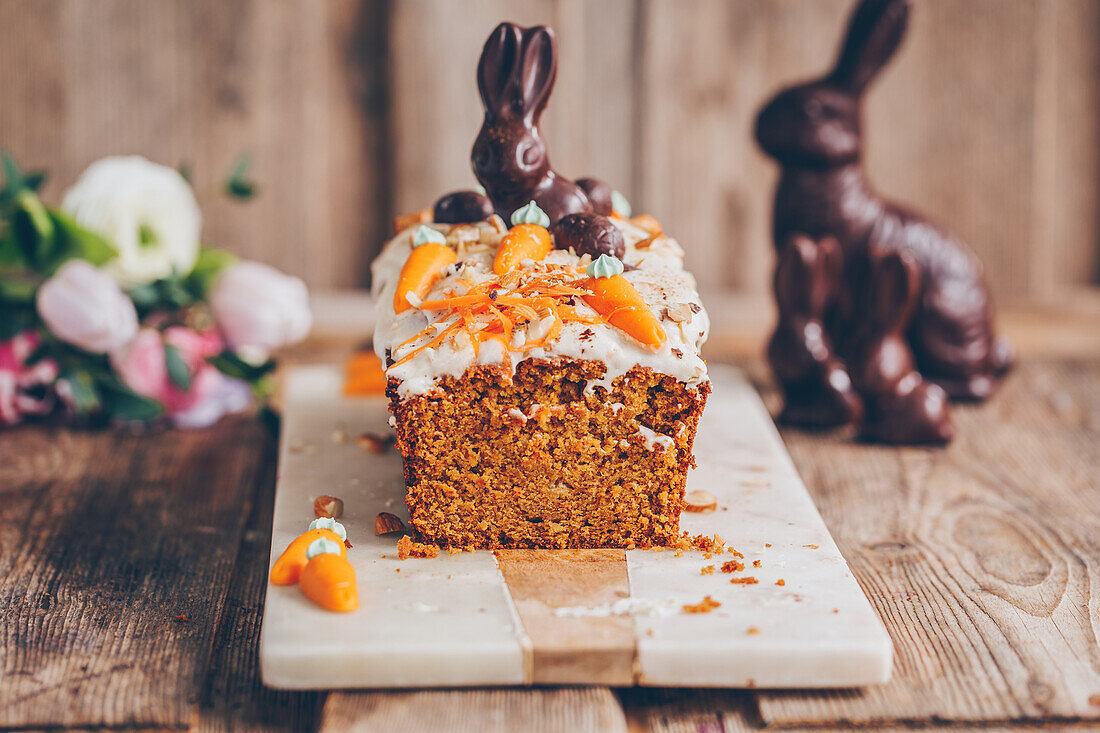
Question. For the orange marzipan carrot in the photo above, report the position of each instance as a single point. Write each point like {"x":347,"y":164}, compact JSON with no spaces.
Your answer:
{"x":329,"y":581}
{"x":364,"y":374}
{"x":288,"y":568}
{"x":623,"y":307}
{"x":420,"y":271}
{"x":522,"y":242}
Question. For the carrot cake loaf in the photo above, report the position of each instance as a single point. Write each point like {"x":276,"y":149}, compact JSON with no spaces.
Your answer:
{"x":541,"y":345}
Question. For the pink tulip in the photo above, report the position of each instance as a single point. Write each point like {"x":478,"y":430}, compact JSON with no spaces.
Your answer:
{"x":142,"y":367}
{"x":256,"y":306}
{"x":83,"y":306}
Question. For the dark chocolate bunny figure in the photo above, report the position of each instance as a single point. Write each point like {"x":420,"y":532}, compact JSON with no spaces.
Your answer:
{"x":901,"y":407}
{"x":813,"y":131}
{"x":816,"y":387}
{"x":515,"y":77}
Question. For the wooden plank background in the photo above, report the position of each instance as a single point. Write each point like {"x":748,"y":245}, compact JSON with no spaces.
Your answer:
{"x":357,"y":109}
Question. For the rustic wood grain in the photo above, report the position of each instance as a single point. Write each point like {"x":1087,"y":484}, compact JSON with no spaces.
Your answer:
{"x":116,"y":561}
{"x":235,"y":698}
{"x":561,"y":710}
{"x":982,"y":559}
{"x":355,"y":110}
{"x":567,"y":650}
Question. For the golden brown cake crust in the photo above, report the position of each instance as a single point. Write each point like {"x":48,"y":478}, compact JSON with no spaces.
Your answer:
{"x":531,"y":460}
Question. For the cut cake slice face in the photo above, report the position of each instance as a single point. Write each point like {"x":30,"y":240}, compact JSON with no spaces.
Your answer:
{"x":536,"y":422}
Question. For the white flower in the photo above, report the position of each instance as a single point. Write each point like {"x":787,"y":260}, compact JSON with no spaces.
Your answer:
{"x":145,"y":210}
{"x":83,"y":306}
{"x":258,"y":307}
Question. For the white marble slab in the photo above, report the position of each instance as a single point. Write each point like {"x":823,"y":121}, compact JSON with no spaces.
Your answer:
{"x":450,"y":621}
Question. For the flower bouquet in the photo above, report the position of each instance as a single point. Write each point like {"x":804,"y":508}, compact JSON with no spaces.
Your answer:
{"x":113,"y":311}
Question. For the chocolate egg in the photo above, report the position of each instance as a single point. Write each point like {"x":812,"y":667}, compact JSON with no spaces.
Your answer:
{"x":599,"y":193}
{"x":462,"y":207}
{"x":589,"y":234}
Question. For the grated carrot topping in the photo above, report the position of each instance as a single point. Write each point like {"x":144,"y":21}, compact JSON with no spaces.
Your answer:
{"x":490,"y":310}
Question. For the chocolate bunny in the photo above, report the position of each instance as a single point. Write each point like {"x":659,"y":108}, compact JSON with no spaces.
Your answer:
{"x":813,"y":131}
{"x":515,"y":76}
{"x":816,"y":386}
{"x":901,"y":407}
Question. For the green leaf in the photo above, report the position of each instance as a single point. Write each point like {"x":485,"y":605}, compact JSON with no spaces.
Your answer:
{"x":177,"y":368}
{"x":237,"y":184}
{"x":86,"y":398}
{"x":14,"y":319}
{"x":17,"y":287}
{"x":144,"y":296}
{"x":231,"y":365}
{"x":185,"y":170}
{"x":9,"y":251}
{"x":123,"y":404}
{"x":79,"y":242}
{"x":211,"y":263}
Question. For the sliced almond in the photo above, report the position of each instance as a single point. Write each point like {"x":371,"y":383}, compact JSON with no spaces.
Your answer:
{"x":700,"y":501}
{"x":648,"y":223}
{"x":375,"y":442}
{"x":386,"y":523}
{"x":328,"y":506}
{"x":678,"y":312}
{"x":404,"y":221}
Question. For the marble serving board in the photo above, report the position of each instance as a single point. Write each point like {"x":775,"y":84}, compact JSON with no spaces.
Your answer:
{"x":609,"y":617}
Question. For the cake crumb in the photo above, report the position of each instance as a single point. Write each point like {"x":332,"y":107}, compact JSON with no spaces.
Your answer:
{"x":767,"y":544}
{"x":406,"y":548}
{"x":706,"y":570}
{"x":735,"y":553}
{"x":812,"y":547}
{"x":756,"y":563}
{"x":752,"y":630}
{"x":707,"y":605}
{"x":746,"y":580}
{"x":780,"y":582}
{"x":732,"y":566}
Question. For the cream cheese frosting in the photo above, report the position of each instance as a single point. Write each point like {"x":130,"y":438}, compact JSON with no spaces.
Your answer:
{"x":658,"y":275}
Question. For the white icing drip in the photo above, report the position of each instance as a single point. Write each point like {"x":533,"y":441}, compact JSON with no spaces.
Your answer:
{"x":660,"y":279}
{"x":653,"y":439}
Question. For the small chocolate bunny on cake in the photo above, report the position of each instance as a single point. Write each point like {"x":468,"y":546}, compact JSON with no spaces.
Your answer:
{"x":515,"y":76}
{"x":813,"y":130}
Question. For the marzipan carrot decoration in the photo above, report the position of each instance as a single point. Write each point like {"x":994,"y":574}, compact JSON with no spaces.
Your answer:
{"x":288,"y":568}
{"x":329,"y":581}
{"x":364,"y":374}
{"x":622,"y":306}
{"x":421,"y":270}
{"x":522,"y":242}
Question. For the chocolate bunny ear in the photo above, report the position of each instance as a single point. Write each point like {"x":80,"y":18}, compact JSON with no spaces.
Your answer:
{"x":807,"y":275}
{"x":875,"y":31}
{"x":517,"y":70}
{"x":538,"y":69}
{"x":497,"y":66}
{"x":893,"y":289}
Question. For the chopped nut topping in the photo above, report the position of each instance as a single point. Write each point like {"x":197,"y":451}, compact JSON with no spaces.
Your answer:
{"x":706,"y":570}
{"x":648,"y":223}
{"x":386,"y":523}
{"x":756,"y":563}
{"x":678,"y":312}
{"x":732,"y":566}
{"x":375,"y":442}
{"x":328,"y":506}
{"x":695,"y":307}
{"x":699,"y":501}
{"x":746,"y":580}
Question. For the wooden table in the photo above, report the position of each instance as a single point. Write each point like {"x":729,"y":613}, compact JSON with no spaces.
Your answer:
{"x":132,"y":571}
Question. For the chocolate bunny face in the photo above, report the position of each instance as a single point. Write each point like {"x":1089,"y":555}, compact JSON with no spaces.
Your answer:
{"x":515,"y":76}
{"x":819,"y":122}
